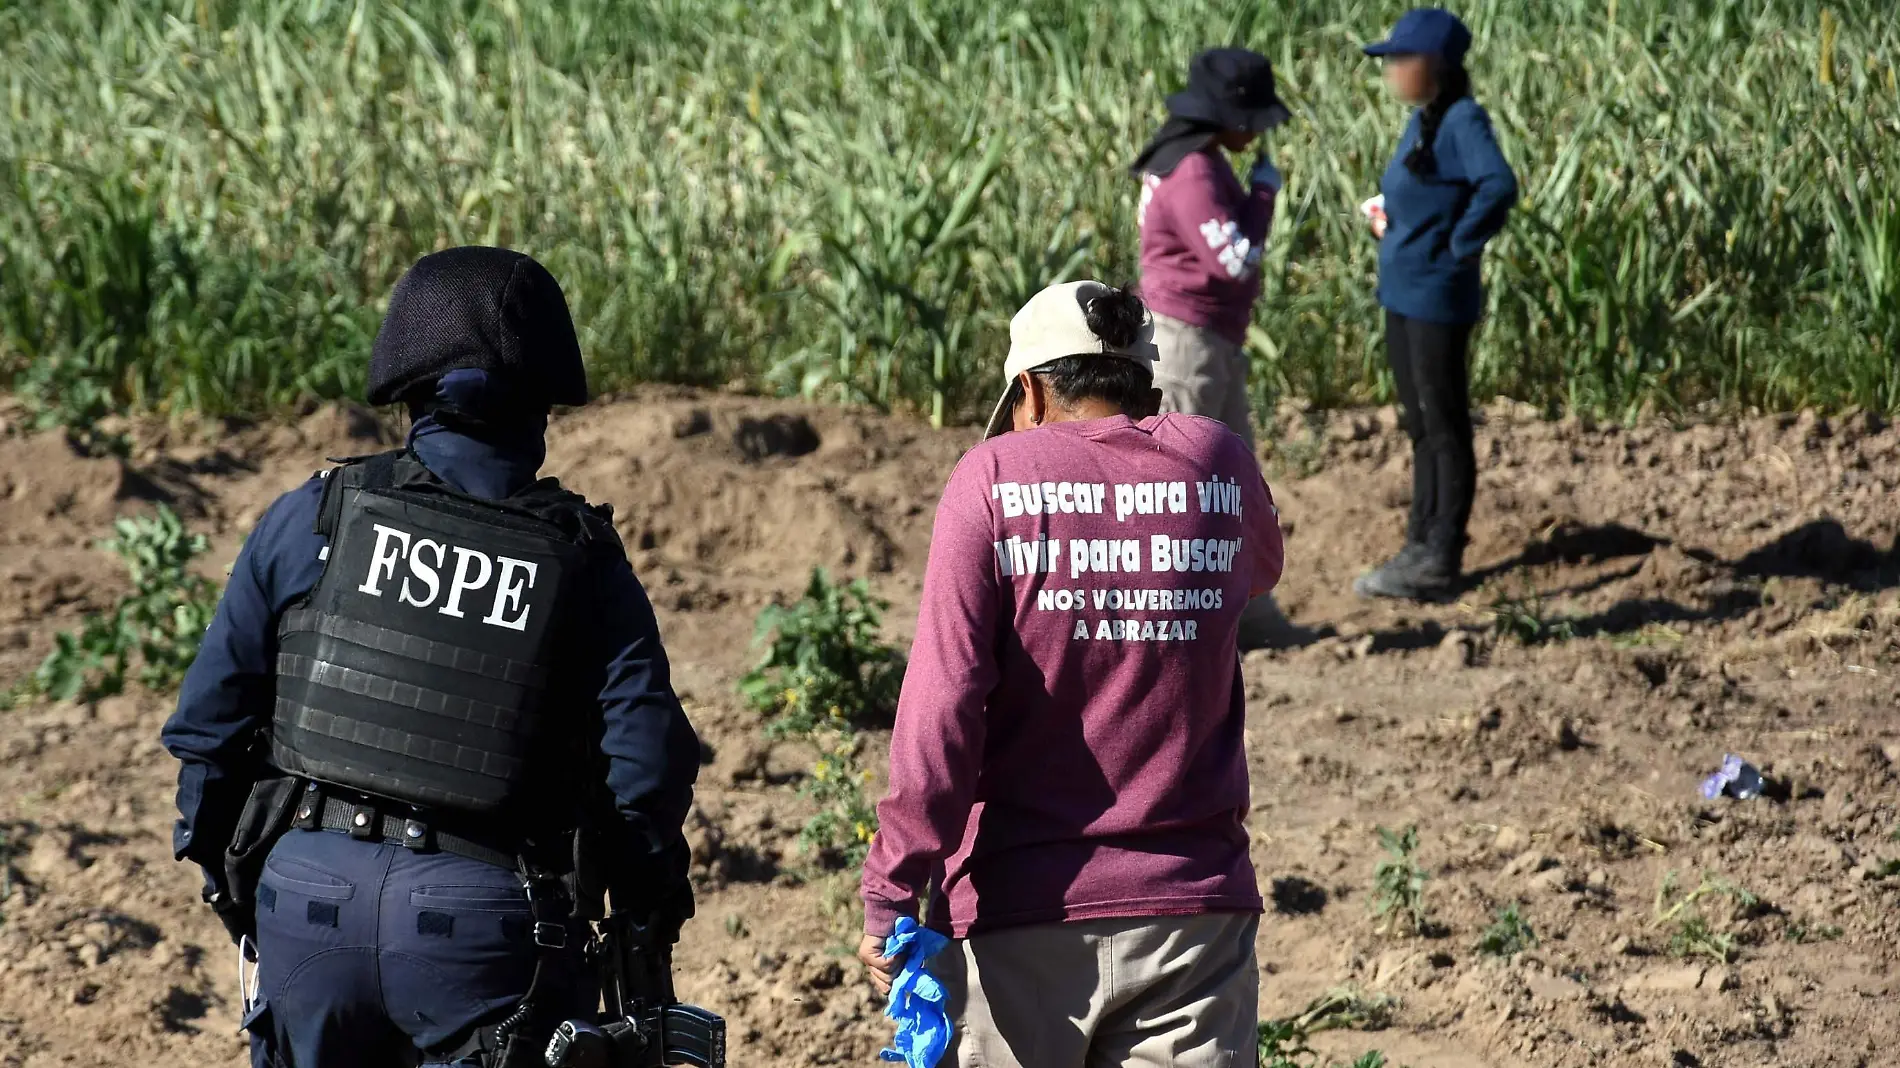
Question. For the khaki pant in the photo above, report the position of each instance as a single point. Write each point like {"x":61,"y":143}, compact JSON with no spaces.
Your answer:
{"x":1157,"y":992}
{"x":1200,"y":372}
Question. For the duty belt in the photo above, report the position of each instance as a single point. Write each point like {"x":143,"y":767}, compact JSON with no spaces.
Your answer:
{"x":366,"y":821}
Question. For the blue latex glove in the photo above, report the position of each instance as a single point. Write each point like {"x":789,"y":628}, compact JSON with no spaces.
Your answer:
{"x":917,"y":998}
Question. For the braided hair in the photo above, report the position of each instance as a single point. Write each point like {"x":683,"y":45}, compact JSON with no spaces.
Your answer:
{"x":1454,"y":84}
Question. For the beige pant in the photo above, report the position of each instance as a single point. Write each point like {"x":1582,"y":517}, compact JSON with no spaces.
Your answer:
{"x":1158,"y":992}
{"x":1202,"y":373}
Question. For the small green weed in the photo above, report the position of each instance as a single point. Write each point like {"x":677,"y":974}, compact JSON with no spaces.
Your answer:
{"x":824,"y":663}
{"x":1508,"y":935}
{"x":66,"y":394}
{"x":1801,"y":933}
{"x":1649,"y":636}
{"x":1283,"y":1046}
{"x":1693,"y":937}
{"x":1525,"y":621}
{"x":1887,"y":870}
{"x":1693,"y":934}
{"x":1283,"y":1042}
{"x":841,"y":832}
{"x":1398,"y":883}
{"x":825,"y":671}
{"x":159,"y":624}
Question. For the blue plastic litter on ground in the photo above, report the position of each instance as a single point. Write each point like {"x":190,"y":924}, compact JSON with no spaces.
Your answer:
{"x":917,"y":998}
{"x":1737,"y":778}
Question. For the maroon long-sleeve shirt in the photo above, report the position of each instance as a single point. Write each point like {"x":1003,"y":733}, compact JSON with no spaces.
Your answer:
{"x":1201,"y":236}
{"x":1069,"y":739}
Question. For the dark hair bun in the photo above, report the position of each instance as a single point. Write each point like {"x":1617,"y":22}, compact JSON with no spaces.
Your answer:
{"x":1115,"y":316}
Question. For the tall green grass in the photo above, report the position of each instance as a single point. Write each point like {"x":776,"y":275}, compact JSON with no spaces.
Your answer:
{"x":205,"y":202}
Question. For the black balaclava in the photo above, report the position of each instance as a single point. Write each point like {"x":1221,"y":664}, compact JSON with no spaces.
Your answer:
{"x":486,"y":407}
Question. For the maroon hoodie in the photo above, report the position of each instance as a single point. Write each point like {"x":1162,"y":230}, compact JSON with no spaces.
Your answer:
{"x":1201,"y":236}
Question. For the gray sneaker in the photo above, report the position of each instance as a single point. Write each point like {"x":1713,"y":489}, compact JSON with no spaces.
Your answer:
{"x":1412,"y":575}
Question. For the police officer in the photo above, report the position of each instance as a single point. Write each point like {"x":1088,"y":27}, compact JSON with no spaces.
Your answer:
{"x":429,"y":676}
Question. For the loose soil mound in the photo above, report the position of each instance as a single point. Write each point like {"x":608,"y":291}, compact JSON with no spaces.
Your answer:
{"x":1648,"y":600}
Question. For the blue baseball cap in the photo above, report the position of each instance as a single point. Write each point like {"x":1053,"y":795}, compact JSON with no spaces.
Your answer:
{"x":1426,"y":31}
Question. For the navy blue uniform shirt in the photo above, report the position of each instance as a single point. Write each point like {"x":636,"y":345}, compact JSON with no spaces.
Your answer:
{"x":220,"y":729}
{"x":1438,"y":224}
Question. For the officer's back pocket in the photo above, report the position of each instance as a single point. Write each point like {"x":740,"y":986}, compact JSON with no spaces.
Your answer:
{"x":301,"y":876}
{"x":470,"y":898}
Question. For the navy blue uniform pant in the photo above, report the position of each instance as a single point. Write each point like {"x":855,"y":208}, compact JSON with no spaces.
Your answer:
{"x":370,"y":955}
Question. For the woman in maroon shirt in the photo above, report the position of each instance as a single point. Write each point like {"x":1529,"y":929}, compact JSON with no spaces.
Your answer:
{"x":1201,"y":238}
{"x":1068,"y":766}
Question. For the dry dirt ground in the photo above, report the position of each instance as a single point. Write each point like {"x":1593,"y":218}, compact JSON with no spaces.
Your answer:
{"x":1651,"y":599}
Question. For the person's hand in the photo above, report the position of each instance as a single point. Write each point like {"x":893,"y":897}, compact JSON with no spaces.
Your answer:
{"x":239,"y":923}
{"x":1374,"y":211}
{"x":883,"y":970}
{"x":1265,"y":174}
{"x":673,"y":912}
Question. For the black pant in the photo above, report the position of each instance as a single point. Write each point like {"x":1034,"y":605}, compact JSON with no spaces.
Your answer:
{"x":1429,"y":365}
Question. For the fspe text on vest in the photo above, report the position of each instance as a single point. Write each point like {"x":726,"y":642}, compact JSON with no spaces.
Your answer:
{"x":473,"y":571}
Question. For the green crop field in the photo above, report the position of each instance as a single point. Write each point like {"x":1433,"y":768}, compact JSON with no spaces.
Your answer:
{"x":205,"y":202}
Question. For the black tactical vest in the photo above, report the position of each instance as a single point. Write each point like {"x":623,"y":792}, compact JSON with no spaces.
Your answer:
{"x":419,"y":667}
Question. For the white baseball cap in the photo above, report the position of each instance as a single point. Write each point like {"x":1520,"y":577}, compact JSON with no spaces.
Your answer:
{"x":1054,"y":325}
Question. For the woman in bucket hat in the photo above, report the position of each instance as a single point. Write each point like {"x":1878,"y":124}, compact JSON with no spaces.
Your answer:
{"x":1447,"y":192}
{"x":1201,"y":238}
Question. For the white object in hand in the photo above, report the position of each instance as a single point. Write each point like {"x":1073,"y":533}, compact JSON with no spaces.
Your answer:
{"x":1374,"y":211}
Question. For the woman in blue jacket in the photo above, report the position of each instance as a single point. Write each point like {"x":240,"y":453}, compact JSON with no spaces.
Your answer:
{"x":1447,"y":192}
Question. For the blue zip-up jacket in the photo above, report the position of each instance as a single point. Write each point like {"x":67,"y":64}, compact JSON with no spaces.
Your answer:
{"x":225,"y":705}
{"x":1437,"y":225}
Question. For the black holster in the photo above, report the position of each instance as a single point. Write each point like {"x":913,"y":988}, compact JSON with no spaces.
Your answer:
{"x":266,"y":816}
